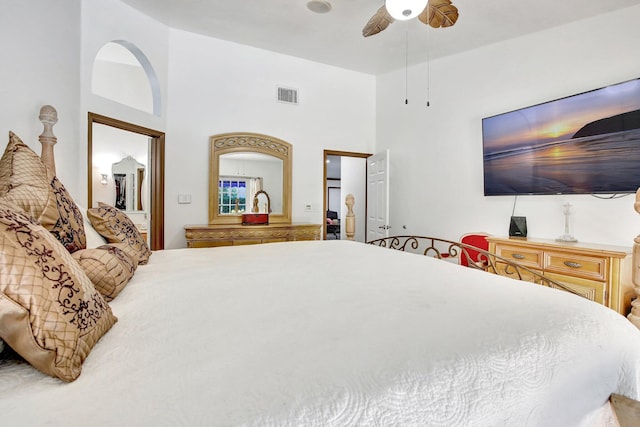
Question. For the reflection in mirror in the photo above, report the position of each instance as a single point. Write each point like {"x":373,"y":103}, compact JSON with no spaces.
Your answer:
{"x":128,"y":178}
{"x":243,"y":166}
{"x":111,"y":140}
{"x":120,"y":171}
{"x":261,"y":202}
{"x":242,"y":175}
{"x":119,"y":152}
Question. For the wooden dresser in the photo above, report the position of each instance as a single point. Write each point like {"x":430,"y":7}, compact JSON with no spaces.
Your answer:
{"x":601,"y":273}
{"x":204,"y":236}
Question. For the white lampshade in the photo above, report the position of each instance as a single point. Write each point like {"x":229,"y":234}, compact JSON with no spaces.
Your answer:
{"x":403,"y":10}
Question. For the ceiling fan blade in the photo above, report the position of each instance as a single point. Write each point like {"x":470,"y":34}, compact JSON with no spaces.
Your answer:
{"x":378,"y":22}
{"x":439,"y":13}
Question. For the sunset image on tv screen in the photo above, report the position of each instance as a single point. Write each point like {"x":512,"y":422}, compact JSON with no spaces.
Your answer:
{"x":586,"y":143}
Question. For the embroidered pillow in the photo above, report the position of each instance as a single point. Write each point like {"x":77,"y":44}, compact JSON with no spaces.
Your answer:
{"x":108,"y":267}
{"x":26,"y":182}
{"x":117,"y":227}
{"x":51,"y":313}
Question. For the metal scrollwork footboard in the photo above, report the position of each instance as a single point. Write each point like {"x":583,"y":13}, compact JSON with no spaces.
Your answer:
{"x":477,"y":258}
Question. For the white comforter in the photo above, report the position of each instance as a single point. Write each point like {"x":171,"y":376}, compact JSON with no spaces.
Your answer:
{"x":335,"y":333}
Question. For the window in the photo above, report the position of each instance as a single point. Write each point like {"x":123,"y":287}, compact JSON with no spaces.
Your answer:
{"x":232,"y":194}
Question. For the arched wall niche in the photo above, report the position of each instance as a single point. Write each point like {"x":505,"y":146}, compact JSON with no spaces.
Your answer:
{"x":122,"y":73}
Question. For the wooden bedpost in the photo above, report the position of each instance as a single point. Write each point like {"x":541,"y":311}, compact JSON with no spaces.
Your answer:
{"x":634,"y":316}
{"x":48,"y":117}
{"x":350,"y":228}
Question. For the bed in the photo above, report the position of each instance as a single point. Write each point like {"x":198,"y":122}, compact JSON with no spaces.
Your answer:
{"x":267,"y":335}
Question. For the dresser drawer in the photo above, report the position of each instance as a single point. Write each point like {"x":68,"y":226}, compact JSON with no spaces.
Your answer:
{"x":601,"y":273}
{"x":576,"y":265}
{"x":590,"y":289}
{"x":523,"y":256}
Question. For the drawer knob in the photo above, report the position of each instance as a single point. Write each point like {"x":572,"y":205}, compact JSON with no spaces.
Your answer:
{"x":572,"y":264}
{"x":517,"y":256}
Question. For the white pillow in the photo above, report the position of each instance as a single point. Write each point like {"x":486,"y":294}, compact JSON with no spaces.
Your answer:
{"x":94,"y":239}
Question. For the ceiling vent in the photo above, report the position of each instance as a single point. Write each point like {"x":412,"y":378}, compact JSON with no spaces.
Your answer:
{"x":287,"y":95}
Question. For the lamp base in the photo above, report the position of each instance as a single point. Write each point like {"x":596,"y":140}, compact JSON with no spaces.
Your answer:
{"x":566,"y":238}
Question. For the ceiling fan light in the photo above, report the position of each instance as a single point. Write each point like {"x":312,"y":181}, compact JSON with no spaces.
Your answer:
{"x":403,"y":10}
{"x":319,"y":6}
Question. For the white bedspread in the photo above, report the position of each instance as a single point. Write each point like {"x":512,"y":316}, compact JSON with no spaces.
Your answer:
{"x":335,"y":333}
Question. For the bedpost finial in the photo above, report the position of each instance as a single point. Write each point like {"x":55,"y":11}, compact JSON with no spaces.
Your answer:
{"x":48,"y":116}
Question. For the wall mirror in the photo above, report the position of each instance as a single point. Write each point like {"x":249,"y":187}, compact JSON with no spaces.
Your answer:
{"x":130,"y":185}
{"x":126,"y":170}
{"x":245,"y":168}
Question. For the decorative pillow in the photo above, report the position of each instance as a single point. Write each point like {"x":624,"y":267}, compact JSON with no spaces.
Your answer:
{"x":115,"y":226}
{"x":108,"y":267}
{"x":50,"y":313}
{"x":26,"y":182}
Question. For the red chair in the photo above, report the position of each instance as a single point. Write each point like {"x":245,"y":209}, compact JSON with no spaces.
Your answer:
{"x":467,"y":256}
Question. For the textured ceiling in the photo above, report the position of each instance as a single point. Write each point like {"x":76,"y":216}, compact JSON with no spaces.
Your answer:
{"x":335,"y":38}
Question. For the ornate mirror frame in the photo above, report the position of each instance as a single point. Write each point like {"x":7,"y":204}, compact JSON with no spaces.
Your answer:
{"x":243,"y":142}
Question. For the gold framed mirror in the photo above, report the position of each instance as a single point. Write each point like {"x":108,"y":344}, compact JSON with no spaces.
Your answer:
{"x":243,"y":166}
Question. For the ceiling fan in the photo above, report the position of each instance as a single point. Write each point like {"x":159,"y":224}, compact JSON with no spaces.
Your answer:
{"x":435,"y":13}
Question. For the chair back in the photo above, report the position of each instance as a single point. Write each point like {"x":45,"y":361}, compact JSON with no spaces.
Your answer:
{"x":478,"y":240}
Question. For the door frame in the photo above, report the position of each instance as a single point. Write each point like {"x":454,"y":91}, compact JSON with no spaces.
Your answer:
{"x":327,"y":153}
{"x":156,"y":151}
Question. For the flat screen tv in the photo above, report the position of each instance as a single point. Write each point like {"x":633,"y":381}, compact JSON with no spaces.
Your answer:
{"x":582,"y":144}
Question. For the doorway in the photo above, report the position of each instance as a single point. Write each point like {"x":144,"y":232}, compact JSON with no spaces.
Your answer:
{"x":147,"y":180}
{"x":344,"y":173}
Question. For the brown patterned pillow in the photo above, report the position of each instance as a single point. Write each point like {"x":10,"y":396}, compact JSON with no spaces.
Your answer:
{"x":51,"y":313}
{"x":115,"y":226}
{"x":108,"y":267}
{"x":26,"y":182}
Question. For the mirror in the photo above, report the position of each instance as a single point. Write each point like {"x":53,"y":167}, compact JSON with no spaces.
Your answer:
{"x":242,"y":175}
{"x":119,"y":162}
{"x":116,"y":148}
{"x":129,"y":185}
{"x":246,"y":165}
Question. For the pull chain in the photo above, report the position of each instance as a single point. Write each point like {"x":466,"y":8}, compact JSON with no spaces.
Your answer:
{"x":428,"y":74}
{"x":406,"y":66}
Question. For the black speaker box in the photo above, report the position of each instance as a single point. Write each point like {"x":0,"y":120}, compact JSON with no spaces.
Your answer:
{"x":518,"y":226}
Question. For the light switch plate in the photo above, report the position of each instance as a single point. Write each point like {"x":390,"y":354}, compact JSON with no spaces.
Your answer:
{"x":184,"y":198}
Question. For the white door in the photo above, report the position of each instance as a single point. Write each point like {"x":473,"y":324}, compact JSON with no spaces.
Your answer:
{"x":378,"y":196}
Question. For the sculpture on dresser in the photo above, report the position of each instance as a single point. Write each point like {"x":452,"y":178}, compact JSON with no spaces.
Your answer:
{"x":256,"y":217}
{"x":350,"y":229}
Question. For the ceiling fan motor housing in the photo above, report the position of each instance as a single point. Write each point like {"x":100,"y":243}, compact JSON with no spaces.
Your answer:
{"x":403,"y":10}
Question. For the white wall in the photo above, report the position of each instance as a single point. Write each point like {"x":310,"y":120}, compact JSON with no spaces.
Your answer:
{"x":104,"y":21}
{"x":436,"y":152}
{"x":40,"y":45}
{"x":218,"y":86}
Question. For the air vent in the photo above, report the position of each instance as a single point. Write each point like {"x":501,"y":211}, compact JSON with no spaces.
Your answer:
{"x":287,"y":95}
